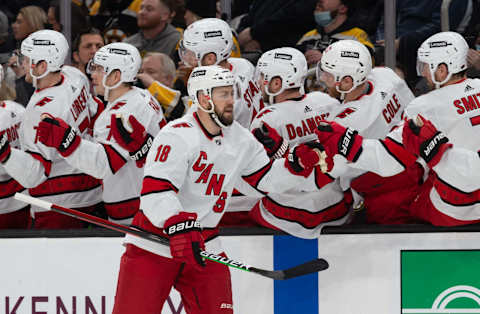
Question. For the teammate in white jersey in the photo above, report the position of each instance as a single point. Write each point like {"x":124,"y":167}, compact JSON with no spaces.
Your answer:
{"x":446,"y":197}
{"x":294,"y":116}
{"x":115,"y":68}
{"x":13,"y":214}
{"x":373,"y":103}
{"x":189,"y":176}
{"x":209,"y":42}
{"x":37,"y":167}
{"x":82,"y":84}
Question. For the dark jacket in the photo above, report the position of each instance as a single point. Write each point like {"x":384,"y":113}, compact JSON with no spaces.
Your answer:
{"x":279,"y":23}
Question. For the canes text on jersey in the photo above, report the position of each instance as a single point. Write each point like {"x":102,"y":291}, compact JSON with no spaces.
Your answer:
{"x":215,"y":181}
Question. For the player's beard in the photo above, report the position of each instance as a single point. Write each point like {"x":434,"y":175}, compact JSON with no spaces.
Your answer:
{"x":225,"y":119}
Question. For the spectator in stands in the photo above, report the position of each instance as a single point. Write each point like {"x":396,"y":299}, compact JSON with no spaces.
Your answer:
{"x":78,"y":17}
{"x":196,"y":10}
{"x":7,"y":43}
{"x":416,"y":21}
{"x":113,"y":18}
{"x":157,"y":74}
{"x":156,"y":33}
{"x":84,"y":47}
{"x":334,"y":21}
{"x":29,"y":19}
{"x":269,"y":18}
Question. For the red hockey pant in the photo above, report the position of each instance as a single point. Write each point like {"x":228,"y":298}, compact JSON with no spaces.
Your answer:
{"x":145,"y":281}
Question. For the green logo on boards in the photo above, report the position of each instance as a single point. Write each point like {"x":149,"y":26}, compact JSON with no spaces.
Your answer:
{"x":440,"y":282}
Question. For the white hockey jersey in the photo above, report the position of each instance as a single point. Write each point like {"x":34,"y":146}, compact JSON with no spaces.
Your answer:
{"x":83,"y":87}
{"x":376,"y":113}
{"x":42,"y":169}
{"x":301,"y":213}
{"x":105,"y":159}
{"x":373,"y":115}
{"x":190,"y":170}
{"x":248,"y":97}
{"x":11,"y":116}
{"x":454,"y":110}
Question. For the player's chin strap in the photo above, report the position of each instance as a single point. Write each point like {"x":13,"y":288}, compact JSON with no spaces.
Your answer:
{"x":212,"y":112}
{"x":35,"y":78}
{"x":271,"y":96}
{"x":343,"y":93}
{"x":439,"y":84}
{"x":108,"y":88}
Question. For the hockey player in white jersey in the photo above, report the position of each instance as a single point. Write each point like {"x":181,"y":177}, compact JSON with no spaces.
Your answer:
{"x":189,"y":176}
{"x":373,"y":103}
{"x":209,"y":42}
{"x":115,"y":68}
{"x":82,"y":85}
{"x":13,"y":214}
{"x":454,"y":108}
{"x":35,"y":166}
{"x":291,"y":119}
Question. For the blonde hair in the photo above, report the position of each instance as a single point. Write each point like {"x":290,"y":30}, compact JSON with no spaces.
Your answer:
{"x":34,"y":16}
{"x":6,"y":92}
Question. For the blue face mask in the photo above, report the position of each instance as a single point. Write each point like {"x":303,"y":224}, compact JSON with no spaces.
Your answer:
{"x":323,"y":18}
{"x":478,"y":47}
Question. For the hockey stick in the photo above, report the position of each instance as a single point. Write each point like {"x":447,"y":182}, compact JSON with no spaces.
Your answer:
{"x":312,"y":266}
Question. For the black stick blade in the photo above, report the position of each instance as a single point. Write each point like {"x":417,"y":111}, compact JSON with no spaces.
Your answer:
{"x":312,"y":266}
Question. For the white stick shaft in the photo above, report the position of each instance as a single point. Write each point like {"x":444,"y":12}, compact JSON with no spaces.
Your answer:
{"x":33,"y":201}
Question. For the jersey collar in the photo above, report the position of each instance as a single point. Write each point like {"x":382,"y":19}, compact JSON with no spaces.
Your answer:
{"x":205,"y":131}
{"x":369,"y":91}
{"x":62,"y":79}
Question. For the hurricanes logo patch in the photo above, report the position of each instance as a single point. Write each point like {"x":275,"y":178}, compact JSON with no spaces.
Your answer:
{"x":350,"y":54}
{"x":283,"y":56}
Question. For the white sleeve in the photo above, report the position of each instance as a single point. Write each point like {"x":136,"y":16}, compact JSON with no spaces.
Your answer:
{"x":31,"y":165}
{"x":272,"y":176}
{"x":98,"y":159}
{"x":165,"y":172}
{"x":27,"y":170}
{"x":384,"y":157}
{"x":460,"y":168}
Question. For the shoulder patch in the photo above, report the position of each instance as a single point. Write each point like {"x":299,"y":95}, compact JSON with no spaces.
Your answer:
{"x":182,"y":125}
{"x":345,"y":113}
{"x":44,"y":101}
